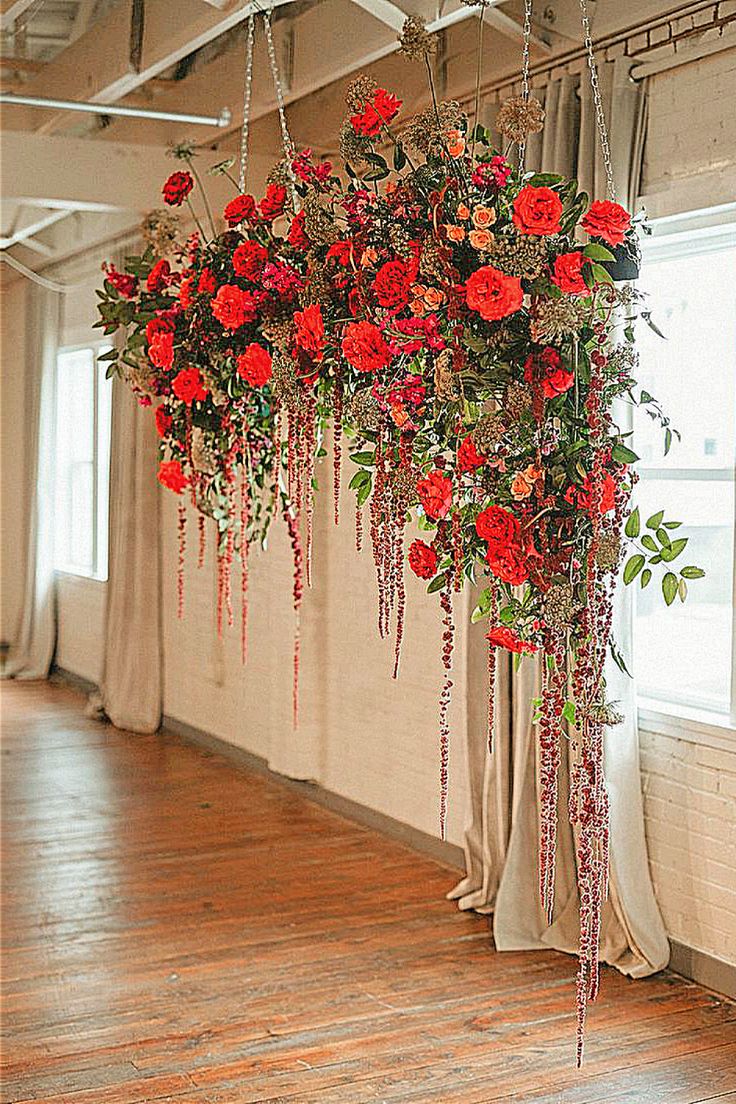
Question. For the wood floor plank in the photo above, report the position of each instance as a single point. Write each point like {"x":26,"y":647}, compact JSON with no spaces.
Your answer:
{"x":179,"y":931}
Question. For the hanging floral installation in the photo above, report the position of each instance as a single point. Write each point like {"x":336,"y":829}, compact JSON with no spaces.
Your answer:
{"x":457,"y":319}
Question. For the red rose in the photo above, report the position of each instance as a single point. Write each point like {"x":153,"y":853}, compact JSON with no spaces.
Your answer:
{"x":254,"y":365}
{"x":435,"y":494}
{"x":249,"y":259}
{"x":392,"y":284}
{"x":170,"y":475}
{"x":537,"y":211}
{"x":568,"y":274}
{"x":297,"y":234}
{"x":207,"y":282}
{"x":159,"y":276}
{"x":310,"y":331}
{"x":468,"y":457}
{"x":162,"y":323}
{"x":239,"y":209}
{"x":580,"y":495}
{"x":422,"y":559}
{"x":381,"y":110}
{"x":507,"y":563}
{"x":607,"y":220}
{"x":498,"y":525}
{"x":502,"y":637}
{"x":188,"y":386}
{"x":273,"y":203}
{"x":161,"y":349}
{"x":177,"y":188}
{"x":365,"y":347}
{"x":163,"y":421}
{"x":492,"y":294}
{"x":232,"y":306}
{"x":546,"y":370}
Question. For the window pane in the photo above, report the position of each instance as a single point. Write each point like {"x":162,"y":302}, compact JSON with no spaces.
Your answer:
{"x":75,"y":455}
{"x":104,"y":422}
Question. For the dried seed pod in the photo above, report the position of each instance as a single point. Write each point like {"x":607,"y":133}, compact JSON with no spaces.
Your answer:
{"x":518,"y":118}
{"x":559,"y":606}
{"x":488,"y":432}
{"x":415,"y":42}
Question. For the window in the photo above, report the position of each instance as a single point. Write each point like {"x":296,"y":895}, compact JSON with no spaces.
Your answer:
{"x":684,"y":654}
{"x":82,"y":470}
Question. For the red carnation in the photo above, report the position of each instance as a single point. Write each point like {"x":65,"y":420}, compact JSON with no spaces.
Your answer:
{"x":188,"y":386}
{"x":240,"y":209}
{"x":468,"y":457}
{"x":124,"y":283}
{"x":546,"y":369}
{"x":185,"y":292}
{"x":163,"y":421}
{"x":298,"y":238}
{"x":232,"y":306}
{"x":254,"y":365}
{"x":392,"y":284}
{"x":502,"y":637}
{"x":162,"y":323}
{"x":608,"y":221}
{"x":161,"y":349}
{"x":207,"y":282}
{"x":365,"y":347}
{"x":159,"y":276}
{"x":492,"y":294}
{"x":273,"y":203}
{"x":177,"y":188}
{"x":568,"y":273}
{"x":435,"y":494}
{"x":249,"y":259}
{"x":170,"y":475}
{"x":507,"y":563}
{"x":537,"y":211}
{"x":381,"y":110}
{"x":422,"y":559}
{"x":310,"y":331}
{"x":498,"y":525}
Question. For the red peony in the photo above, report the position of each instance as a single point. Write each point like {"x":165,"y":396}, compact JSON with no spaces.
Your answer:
{"x":580,"y":495}
{"x":608,"y":221}
{"x":161,"y":349}
{"x":422,"y":559}
{"x":537,"y":211}
{"x":254,"y":365}
{"x":177,"y":188}
{"x":159,"y":277}
{"x":365,"y":347}
{"x":273,"y":203}
{"x":232,"y":306}
{"x":297,"y":234}
{"x":163,"y":421}
{"x":435,"y":494}
{"x":392,"y":285}
{"x":568,"y":273}
{"x":468,"y":457}
{"x":492,"y":294}
{"x":546,"y":369}
{"x":240,"y":209}
{"x":188,"y":386}
{"x":498,"y":525}
{"x":171,"y":476}
{"x":507,"y":563}
{"x":310,"y":330}
{"x":502,"y":637}
{"x":381,"y":110}
{"x":249,"y":259}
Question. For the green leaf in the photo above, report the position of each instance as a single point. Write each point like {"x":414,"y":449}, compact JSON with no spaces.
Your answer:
{"x":663,"y":537}
{"x":672,"y":524}
{"x":623,"y":455}
{"x":669,"y":587}
{"x":506,"y":615}
{"x":633,"y":566}
{"x":600,"y":275}
{"x":682,"y":590}
{"x":365,"y":459}
{"x":667,"y":440}
{"x":437,"y":583}
{"x":692,"y":572}
{"x":111,"y":354}
{"x":677,"y":546}
{"x":399,"y":157}
{"x":655,"y":520}
{"x":646,"y":578}
{"x":568,"y":712}
{"x":633,"y":524}
{"x":646,"y":315}
{"x":650,"y":543}
{"x":597,"y":252}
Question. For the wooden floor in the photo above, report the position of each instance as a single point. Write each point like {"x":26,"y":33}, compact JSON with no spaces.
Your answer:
{"x":180,"y":931}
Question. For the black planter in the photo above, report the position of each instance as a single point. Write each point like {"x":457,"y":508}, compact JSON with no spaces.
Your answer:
{"x":626,"y":264}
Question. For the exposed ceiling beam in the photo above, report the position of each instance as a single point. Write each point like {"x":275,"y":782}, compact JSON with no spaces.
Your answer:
{"x":502,"y":22}
{"x":34,"y":228}
{"x":22,"y":65}
{"x":12,"y":10}
{"x":390,"y":14}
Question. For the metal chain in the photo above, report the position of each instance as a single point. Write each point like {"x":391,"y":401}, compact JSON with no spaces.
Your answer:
{"x":285,"y":136}
{"x":525,"y":66}
{"x":246,"y":101}
{"x":600,"y":115}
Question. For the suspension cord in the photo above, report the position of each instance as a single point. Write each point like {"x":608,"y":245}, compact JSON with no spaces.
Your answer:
{"x":525,"y":66}
{"x":285,"y":136}
{"x":600,"y":115}
{"x":246,"y":101}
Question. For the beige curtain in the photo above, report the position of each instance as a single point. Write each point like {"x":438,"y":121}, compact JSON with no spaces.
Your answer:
{"x":32,"y":651}
{"x":132,"y":671}
{"x":501,"y":842}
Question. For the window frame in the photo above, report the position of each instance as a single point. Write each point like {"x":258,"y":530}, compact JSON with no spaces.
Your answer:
{"x":99,"y":572}
{"x":714,"y":228}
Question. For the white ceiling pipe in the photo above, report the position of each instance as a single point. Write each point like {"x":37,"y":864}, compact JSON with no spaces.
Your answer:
{"x":221,"y":120}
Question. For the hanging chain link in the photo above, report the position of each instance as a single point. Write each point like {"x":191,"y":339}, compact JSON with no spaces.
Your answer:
{"x":246,"y":101}
{"x":600,"y":115}
{"x":525,"y":66}
{"x":285,"y":136}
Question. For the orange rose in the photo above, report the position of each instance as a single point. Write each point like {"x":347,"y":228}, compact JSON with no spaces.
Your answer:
{"x":463,"y":211}
{"x":455,"y":143}
{"x":522,"y":484}
{"x":483,"y":217}
{"x":369,"y":257}
{"x":480,"y":239}
{"x":454,"y":233}
{"x":433,"y":297}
